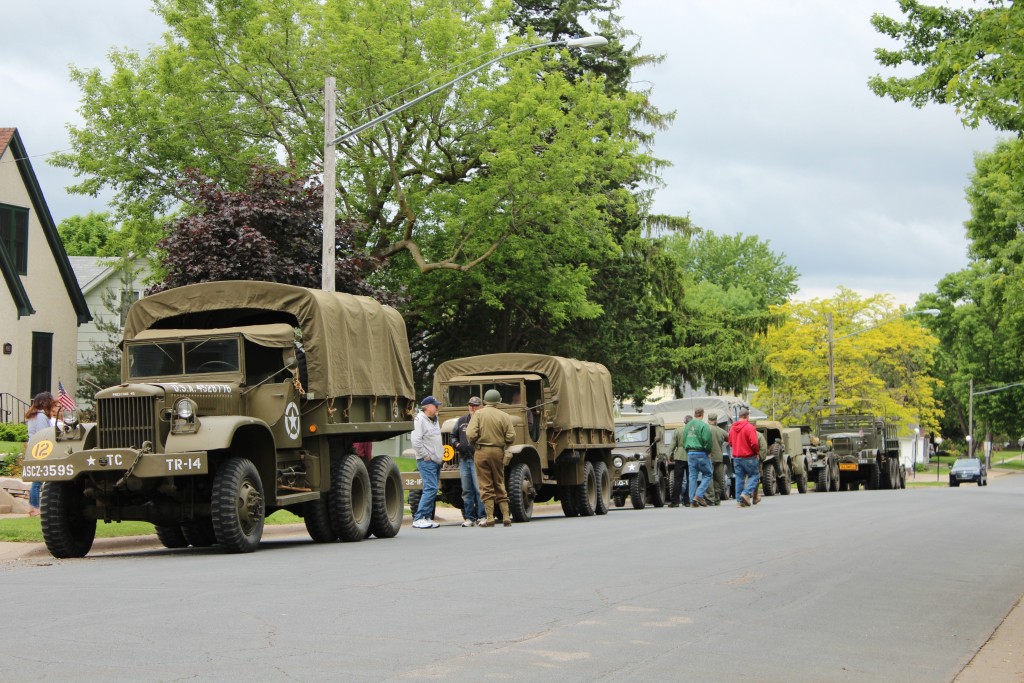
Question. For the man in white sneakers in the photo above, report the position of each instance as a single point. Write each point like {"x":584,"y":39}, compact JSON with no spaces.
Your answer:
{"x":426,"y":441}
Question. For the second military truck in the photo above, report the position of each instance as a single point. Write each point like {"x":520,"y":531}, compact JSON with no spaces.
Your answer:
{"x":237,"y":399}
{"x":867,"y":451}
{"x":565,"y":429}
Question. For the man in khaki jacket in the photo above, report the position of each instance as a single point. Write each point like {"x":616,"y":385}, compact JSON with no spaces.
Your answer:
{"x":490,"y":431}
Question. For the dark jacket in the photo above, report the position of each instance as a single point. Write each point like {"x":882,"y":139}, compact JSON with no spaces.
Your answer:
{"x":459,"y":440}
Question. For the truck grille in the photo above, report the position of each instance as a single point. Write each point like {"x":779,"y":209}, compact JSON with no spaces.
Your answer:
{"x":126,"y":422}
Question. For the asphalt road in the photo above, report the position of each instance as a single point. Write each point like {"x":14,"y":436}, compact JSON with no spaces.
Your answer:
{"x":862,"y":586}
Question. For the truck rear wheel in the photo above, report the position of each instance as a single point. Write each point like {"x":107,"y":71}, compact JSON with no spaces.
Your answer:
{"x":801,"y":482}
{"x":520,"y":492}
{"x":768,"y":479}
{"x":386,"y":485}
{"x":349,"y":507}
{"x":237,"y":506}
{"x":584,"y":496}
{"x":66,"y":531}
{"x":638,"y":490}
{"x":318,"y":523}
{"x":414,"y":500}
{"x":567,"y":501}
{"x":199,"y":533}
{"x":604,"y":487}
{"x":170,"y":535}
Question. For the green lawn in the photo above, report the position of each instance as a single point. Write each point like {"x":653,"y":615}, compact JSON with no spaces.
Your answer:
{"x":27,"y":530}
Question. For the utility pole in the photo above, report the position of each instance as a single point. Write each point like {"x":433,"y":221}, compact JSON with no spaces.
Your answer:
{"x":330,"y":182}
{"x":831,"y":368}
{"x":970,"y":422}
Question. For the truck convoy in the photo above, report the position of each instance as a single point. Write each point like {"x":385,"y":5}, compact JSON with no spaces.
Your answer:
{"x":237,"y":399}
{"x":866,"y":450}
{"x":562,"y":413}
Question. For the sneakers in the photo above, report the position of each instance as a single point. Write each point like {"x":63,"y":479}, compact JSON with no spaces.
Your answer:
{"x":424,"y":524}
{"x":469,"y":523}
{"x":745,"y":501}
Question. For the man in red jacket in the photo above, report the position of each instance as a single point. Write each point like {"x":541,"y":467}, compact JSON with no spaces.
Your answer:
{"x":745,"y":449}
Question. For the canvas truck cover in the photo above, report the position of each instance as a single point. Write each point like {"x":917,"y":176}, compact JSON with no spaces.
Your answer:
{"x":354,"y":345}
{"x":584,"y":390}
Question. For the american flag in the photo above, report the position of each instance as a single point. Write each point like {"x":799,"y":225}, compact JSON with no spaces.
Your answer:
{"x":64,"y":398}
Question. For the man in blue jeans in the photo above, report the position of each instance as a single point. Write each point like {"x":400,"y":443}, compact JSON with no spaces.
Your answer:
{"x":426,"y":441}
{"x":745,"y":449}
{"x":697,"y":441}
{"x":472,"y":505}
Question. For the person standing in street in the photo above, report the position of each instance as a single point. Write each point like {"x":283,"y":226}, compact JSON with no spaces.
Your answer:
{"x":718,"y":490}
{"x":472,"y":504}
{"x":426,"y":441}
{"x":697,"y":441}
{"x":491,"y":432}
{"x":37,"y":417}
{"x":745,"y":451}
{"x":680,"y":468}
{"x":762,"y":450}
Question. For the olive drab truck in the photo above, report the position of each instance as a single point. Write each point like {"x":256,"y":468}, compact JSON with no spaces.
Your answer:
{"x":867,"y":451}
{"x":237,"y":399}
{"x":561,"y":409}
{"x":785,"y":462}
{"x":640,"y":462}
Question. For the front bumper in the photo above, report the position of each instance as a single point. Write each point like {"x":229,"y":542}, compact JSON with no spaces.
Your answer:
{"x":117,"y":461}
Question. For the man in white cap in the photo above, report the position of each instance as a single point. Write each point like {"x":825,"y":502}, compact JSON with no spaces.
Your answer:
{"x":426,"y":441}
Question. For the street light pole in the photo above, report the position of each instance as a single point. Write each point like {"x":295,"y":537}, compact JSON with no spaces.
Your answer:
{"x":330,"y":144}
{"x":831,"y":349}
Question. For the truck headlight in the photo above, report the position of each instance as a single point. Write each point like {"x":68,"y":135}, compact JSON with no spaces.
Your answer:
{"x":617,"y":461}
{"x":183,"y":418}
{"x":69,"y":418}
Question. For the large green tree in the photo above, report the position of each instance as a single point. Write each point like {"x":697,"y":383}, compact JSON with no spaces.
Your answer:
{"x":968,"y":58}
{"x":883,"y":361}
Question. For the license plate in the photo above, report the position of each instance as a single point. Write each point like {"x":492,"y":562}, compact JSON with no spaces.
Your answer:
{"x":848,"y":466}
{"x":621,"y":482}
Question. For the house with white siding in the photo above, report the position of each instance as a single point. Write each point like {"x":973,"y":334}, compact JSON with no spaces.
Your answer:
{"x":110,"y":287}
{"x":43,"y":304}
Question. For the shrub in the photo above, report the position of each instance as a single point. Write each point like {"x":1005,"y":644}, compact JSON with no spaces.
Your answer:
{"x":13,"y":432}
{"x":10,"y":465}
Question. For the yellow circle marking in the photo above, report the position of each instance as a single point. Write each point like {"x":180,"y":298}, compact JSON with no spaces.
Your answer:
{"x":42,"y":450}
{"x":449,"y":452}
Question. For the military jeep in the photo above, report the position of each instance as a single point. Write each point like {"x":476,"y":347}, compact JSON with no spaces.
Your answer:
{"x":237,"y":399}
{"x":784,"y":462}
{"x":822,"y":462}
{"x":640,"y":463}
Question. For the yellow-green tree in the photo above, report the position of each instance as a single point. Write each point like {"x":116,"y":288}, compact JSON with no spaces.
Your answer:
{"x":883,"y":361}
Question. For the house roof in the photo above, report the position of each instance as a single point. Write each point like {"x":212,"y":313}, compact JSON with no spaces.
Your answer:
{"x":10,"y":139}
{"x":90,"y":271}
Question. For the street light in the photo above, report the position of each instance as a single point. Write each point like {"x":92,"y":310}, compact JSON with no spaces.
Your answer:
{"x":831,"y":349}
{"x":330,"y":142}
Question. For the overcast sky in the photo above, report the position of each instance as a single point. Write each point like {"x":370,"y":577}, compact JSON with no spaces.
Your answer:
{"x":776,"y":133}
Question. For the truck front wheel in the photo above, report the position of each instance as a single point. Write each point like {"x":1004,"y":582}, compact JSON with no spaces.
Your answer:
{"x":801,"y":482}
{"x":768,"y":479}
{"x":350,"y":504}
{"x":520,"y":492}
{"x":638,"y":490}
{"x":824,"y":480}
{"x":659,"y":492}
{"x":66,"y":531}
{"x":237,"y":506}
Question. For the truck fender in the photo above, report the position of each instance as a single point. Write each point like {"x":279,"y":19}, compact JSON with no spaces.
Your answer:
{"x":797,"y":465}
{"x":215,"y":433}
{"x":527,"y":454}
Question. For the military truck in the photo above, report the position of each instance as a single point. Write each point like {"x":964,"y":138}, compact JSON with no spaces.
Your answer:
{"x":237,"y":399}
{"x":822,"y":462}
{"x":783,"y":461}
{"x":640,"y":462}
{"x":561,"y":409}
{"x":867,"y":451}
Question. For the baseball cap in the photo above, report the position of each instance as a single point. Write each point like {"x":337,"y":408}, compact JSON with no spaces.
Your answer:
{"x":430,"y":400}
{"x":475,"y":401}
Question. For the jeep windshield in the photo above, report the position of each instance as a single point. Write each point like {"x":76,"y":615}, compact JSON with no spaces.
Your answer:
{"x":459,"y":394}
{"x":183,"y":357}
{"x":631,"y":434}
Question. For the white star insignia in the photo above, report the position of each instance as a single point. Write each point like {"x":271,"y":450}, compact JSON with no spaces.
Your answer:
{"x":91,"y":460}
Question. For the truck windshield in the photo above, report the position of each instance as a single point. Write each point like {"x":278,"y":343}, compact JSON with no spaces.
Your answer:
{"x":459,"y":395}
{"x":164,"y":359}
{"x":631,"y":434}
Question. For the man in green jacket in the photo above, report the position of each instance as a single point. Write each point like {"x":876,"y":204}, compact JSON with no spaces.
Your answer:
{"x":719,"y":490}
{"x":697,"y":441}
